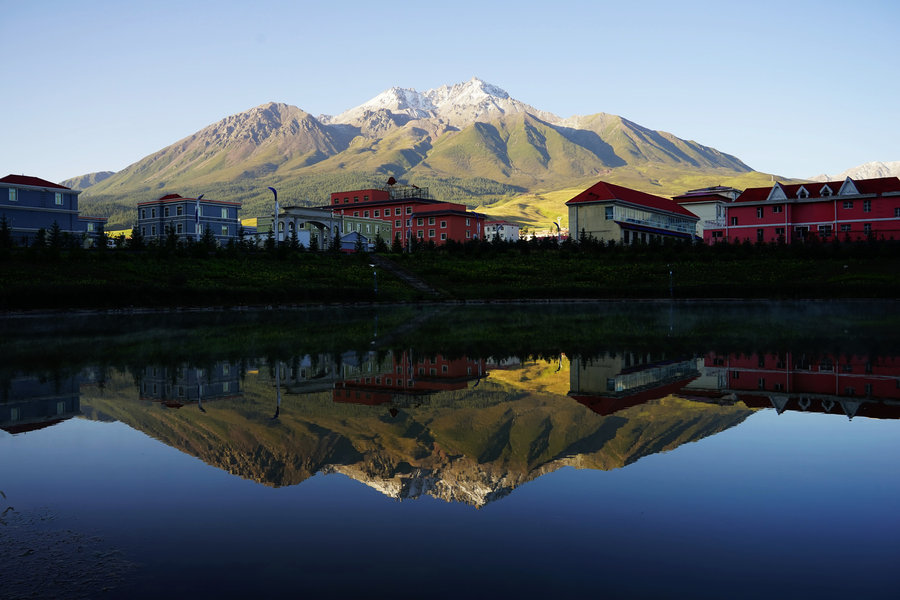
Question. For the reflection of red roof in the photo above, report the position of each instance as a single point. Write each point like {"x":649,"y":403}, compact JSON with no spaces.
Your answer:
{"x":32,"y":181}
{"x":602,"y":191}
{"x":14,"y":429}
{"x":607,"y":405}
{"x":872,"y":410}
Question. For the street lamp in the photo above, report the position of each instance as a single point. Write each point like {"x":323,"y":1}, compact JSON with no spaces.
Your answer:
{"x":275,"y":222}
{"x":374,"y":277}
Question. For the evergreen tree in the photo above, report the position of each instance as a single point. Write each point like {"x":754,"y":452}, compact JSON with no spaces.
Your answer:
{"x":380,"y":245}
{"x":313,"y":243}
{"x":40,"y":238}
{"x":6,"y":241}
{"x":358,"y":246}
{"x":396,"y":245}
{"x":55,"y":236}
{"x":137,"y":239}
{"x":208,"y":240}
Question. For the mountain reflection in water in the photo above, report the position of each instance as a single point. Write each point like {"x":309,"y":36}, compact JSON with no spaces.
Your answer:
{"x":462,"y":429}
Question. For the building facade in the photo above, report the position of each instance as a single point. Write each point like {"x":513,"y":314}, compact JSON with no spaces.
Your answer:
{"x":410,"y":212}
{"x":29,"y":204}
{"x":504,"y":230}
{"x":610,"y":212}
{"x":846,"y":210}
{"x":189,"y":218}
{"x":709,"y":204}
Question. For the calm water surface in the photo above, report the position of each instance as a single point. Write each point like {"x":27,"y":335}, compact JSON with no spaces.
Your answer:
{"x":625,"y":451}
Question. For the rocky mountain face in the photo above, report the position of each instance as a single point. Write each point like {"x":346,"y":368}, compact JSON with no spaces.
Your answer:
{"x":85,"y":181}
{"x":473,"y":446}
{"x":466,"y":141}
{"x":869,"y":170}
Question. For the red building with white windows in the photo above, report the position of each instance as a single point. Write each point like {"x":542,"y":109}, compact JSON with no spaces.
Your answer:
{"x":412,"y":213}
{"x":849,"y":209}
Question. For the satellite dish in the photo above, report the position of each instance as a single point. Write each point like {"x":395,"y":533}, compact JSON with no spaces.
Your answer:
{"x":391,"y":181}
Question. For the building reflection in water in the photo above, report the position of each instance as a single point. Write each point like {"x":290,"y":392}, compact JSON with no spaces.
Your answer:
{"x":29,"y":403}
{"x":852,"y":386}
{"x":175,"y":387}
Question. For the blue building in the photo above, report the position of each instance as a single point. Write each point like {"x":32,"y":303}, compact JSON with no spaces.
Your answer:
{"x":189,"y":218}
{"x":31,"y":203}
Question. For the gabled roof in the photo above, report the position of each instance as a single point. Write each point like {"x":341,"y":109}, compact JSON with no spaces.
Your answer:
{"x":863,"y":186}
{"x":604,"y":192}
{"x":32,"y":181}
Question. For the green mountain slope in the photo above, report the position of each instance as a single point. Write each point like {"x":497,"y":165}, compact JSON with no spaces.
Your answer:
{"x":282,"y":146}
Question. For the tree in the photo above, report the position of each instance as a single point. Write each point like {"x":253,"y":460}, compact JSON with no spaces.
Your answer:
{"x":313,"y":243}
{"x":137,"y":239}
{"x":397,"y":245}
{"x":55,"y":236}
{"x":380,"y":245}
{"x":5,"y":234}
{"x":208,"y":240}
{"x":358,"y":246}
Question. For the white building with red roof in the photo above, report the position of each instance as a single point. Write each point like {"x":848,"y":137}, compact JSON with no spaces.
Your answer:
{"x":610,"y":212}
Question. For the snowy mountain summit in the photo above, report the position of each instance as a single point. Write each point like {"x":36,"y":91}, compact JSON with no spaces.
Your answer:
{"x":457,"y":105}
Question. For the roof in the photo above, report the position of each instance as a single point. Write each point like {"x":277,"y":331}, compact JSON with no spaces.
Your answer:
{"x":501,"y":223}
{"x":604,"y":192}
{"x":32,"y":181}
{"x":179,"y":198}
{"x":878,"y":185}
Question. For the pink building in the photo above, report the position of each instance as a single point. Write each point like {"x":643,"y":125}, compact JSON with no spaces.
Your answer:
{"x":848,"y":209}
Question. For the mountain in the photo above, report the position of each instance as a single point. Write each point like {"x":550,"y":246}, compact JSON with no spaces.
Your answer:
{"x":473,"y":446}
{"x":85,"y":181}
{"x":869,"y":170}
{"x":469,"y":142}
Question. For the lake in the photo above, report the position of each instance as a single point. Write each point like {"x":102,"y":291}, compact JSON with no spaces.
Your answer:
{"x":639,"y":450}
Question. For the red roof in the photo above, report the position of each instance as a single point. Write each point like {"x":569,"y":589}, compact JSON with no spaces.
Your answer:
{"x":603,"y":192}
{"x":32,"y":181}
{"x":879,"y":185}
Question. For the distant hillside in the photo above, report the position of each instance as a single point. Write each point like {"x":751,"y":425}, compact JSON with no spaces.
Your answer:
{"x":469,"y":143}
{"x":85,"y":181}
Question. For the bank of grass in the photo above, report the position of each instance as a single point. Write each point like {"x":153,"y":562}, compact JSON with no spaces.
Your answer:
{"x":474,"y":271}
{"x":521,"y":271}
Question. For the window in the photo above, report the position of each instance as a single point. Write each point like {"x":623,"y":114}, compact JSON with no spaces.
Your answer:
{"x":166,"y":211}
{"x":152,"y":213}
{"x":897,"y":213}
{"x":409,"y":210}
{"x":224,"y":229}
{"x":143,"y":231}
{"x":779,"y":231}
{"x":366,"y":214}
{"x":845,"y":228}
{"x":759,"y":235}
{"x":759,"y":212}
{"x":143,"y":213}
{"x":365,"y":198}
{"x":90,"y":227}
{"x":431,"y":233}
{"x":420,"y":234}
{"x":397,"y":222}
{"x":408,"y":222}
{"x":420,"y":221}
{"x":867,"y":206}
{"x":12,"y":195}
{"x":180,"y":228}
{"x":355,"y":199}
{"x":57,"y":198}
{"x":608,"y":213}
{"x":777,"y":208}
{"x":397,"y":212}
{"x":716,"y":235}
{"x":443,"y":236}
{"x":848,"y":204}
{"x":224,"y":213}
{"x":355,"y":213}
{"x":179,"y":211}
{"x":468,"y":222}
{"x":346,"y":200}
{"x":734,"y":220}
{"x":825,"y":231}
{"x":377,"y":214}
{"x":443,"y":224}
{"x":153,"y":230}
{"x":867,"y":228}
{"x":431,"y":220}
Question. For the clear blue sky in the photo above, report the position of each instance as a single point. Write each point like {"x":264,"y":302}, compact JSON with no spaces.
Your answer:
{"x":792,"y":88}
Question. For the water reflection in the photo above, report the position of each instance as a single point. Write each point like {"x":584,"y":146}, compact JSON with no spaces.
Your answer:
{"x":460,"y":428}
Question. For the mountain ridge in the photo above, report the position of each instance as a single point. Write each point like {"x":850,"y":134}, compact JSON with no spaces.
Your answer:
{"x":470,"y":142}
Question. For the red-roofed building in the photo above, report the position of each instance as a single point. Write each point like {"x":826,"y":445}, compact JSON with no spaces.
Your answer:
{"x":707,"y":203}
{"x":849,"y":209}
{"x":411,"y":212}
{"x":607,"y":212}
{"x":29,"y":204}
